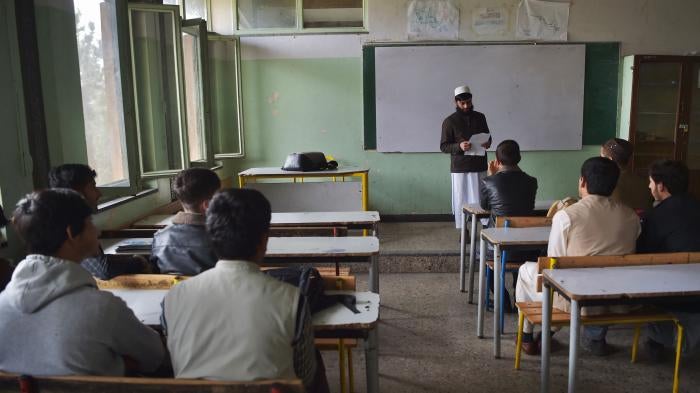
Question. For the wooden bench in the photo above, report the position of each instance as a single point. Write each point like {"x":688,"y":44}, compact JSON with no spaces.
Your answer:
{"x":532,"y":311}
{"x":71,"y":384}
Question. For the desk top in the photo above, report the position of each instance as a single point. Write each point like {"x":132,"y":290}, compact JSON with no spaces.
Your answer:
{"x":286,"y":219}
{"x":278,"y":172}
{"x":145,"y":303}
{"x":280,"y":247}
{"x":626,"y":282}
{"x":475,"y":208}
{"x":517,"y":236}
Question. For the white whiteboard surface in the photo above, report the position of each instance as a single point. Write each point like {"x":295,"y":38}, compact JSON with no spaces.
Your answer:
{"x":530,"y":93}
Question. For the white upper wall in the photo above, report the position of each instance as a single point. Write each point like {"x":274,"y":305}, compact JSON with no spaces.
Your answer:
{"x":642,"y":26}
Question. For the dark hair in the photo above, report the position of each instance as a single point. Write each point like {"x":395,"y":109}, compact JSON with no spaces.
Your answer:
{"x":73,"y":176}
{"x":672,"y":174}
{"x":41,"y":218}
{"x":618,"y":150}
{"x":600,"y":175}
{"x":237,"y":219}
{"x":195,"y":185}
{"x":508,"y":152}
{"x":463,"y":97}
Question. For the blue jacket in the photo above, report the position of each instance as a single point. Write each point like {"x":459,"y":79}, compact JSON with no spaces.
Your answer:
{"x":183,"y":247}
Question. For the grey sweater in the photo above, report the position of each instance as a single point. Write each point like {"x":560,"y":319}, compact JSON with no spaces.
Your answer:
{"x":54,"y":321}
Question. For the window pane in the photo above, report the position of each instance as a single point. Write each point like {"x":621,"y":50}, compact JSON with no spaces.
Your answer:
{"x":332,"y":13}
{"x":100,"y":82}
{"x":154,"y":40}
{"x":224,"y":98}
{"x":195,"y":9}
{"x":266,"y":14}
{"x":193,"y":96}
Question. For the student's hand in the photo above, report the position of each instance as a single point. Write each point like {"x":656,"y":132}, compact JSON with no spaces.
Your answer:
{"x":493,"y":167}
{"x":466,"y":145}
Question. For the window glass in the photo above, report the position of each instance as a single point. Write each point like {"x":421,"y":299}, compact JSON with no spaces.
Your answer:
{"x":267,"y":14}
{"x":225,"y":113}
{"x":193,"y":96}
{"x":100,"y":82}
{"x":155,"y":45}
{"x":332,"y":13}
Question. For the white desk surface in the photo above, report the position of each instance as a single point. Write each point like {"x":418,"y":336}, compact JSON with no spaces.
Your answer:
{"x":626,"y":282}
{"x":475,"y":208}
{"x":279,"y":247}
{"x":517,"y":236}
{"x":286,"y":219}
{"x":278,"y":172}
{"x":145,"y":303}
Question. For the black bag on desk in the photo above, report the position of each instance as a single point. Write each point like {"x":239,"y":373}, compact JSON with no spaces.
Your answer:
{"x":306,"y":162}
{"x":310,"y":284}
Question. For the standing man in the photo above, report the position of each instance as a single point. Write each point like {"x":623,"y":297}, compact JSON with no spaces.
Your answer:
{"x":467,"y":170}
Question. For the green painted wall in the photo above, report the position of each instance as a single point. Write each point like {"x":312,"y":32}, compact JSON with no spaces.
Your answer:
{"x":293,"y":105}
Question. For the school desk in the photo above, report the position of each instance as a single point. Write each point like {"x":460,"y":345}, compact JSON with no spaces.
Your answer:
{"x":290,"y":191}
{"x":284,"y":250}
{"x":349,"y":219}
{"x":611,"y":286}
{"x":334,"y":322}
{"x":502,"y":239}
{"x":474,"y":212}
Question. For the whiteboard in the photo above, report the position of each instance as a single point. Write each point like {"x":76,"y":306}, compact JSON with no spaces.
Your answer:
{"x":530,"y":93}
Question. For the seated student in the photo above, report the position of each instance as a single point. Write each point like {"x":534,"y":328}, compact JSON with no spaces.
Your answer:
{"x":673,"y":225}
{"x":53,"y":319}
{"x":81,"y":178}
{"x":508,"y":191}
{"x":630,"y":189}
{"x":596,"y":225}
{"x":184,"y":247}
{"x":233,"y":322}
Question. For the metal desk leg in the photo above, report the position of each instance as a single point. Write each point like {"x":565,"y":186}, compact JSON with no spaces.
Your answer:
{"x":374,"y":274}
{"x":472,"y":257}
{"x":496,"y":301}
{"x":546,"y":338}
{"x":372,"y":360}
{"x":482,"y":290}
{"x":462,"y":246}
{"x":573,"y":343}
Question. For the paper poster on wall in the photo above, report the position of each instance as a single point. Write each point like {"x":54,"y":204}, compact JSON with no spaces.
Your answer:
{"x":542,"y":20}
{"x":489,"y":20}
{"x":433,"y":20}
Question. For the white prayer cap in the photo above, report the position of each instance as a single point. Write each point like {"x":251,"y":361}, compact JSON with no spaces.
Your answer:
{"x":462,"y":90}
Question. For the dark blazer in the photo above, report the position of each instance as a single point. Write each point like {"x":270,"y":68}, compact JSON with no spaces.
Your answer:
{"x":672,"y":226}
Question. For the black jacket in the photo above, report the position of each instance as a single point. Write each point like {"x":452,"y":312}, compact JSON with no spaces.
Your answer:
{"x":672,"y":226}
{"x":509,"y":193}
{"x":459,"y":127}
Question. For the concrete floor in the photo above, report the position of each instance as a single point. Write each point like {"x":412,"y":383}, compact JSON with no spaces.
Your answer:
{"x":427,"y":333}
{"x":428,"y":344}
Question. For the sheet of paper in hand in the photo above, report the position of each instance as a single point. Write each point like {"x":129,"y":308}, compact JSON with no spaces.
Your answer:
{"x":477,"y":140}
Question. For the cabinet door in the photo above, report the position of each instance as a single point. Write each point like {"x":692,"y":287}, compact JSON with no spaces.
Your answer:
{"x":655,"y":113}
{"x":691,"y":128}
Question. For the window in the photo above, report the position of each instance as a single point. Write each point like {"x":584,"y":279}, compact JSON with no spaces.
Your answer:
{"x":101,"y":89}
{"x":194,"y":46}
{"x":225,"y":95}
{"x":300,"y":16}
{"x":161,"y":118}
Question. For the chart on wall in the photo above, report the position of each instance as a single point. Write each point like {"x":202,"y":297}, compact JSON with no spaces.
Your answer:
{"x":530,"y":93}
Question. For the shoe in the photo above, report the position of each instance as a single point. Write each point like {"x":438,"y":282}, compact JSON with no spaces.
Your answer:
{"x":597,"y":347}
{"x":654,"y":350}
{"x":531,"y":348}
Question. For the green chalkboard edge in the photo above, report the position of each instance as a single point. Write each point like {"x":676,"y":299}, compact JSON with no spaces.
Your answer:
{"x":601,"y":99}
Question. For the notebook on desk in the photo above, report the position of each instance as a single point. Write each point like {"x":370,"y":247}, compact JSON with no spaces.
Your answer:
{"x":131,"y":245}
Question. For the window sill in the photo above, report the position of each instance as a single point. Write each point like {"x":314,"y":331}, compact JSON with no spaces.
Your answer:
{"x":125,"y":199}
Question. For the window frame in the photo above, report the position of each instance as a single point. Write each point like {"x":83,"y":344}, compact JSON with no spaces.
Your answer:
{"x":182,"y":113}
{"x":239,"y":96}
{"x":299,"y":29}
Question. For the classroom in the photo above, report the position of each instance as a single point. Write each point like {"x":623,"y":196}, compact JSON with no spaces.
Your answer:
{"x":141,"y":90}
